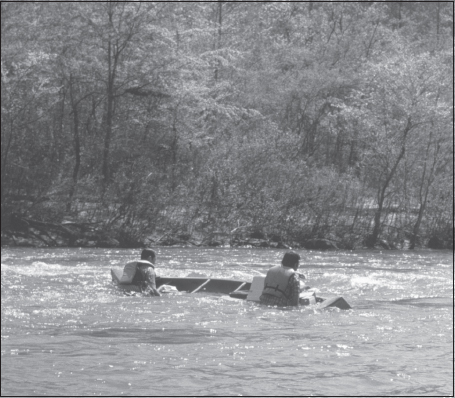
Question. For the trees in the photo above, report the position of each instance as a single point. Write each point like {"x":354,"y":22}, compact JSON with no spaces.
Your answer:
{"x":29,"y":93}
{"x":399,"y":103}
{"x":145,"y":109}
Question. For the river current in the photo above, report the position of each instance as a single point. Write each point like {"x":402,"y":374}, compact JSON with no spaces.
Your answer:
{"x":66,"y":330}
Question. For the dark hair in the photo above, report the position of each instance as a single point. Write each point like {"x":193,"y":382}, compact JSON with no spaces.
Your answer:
{"x":146,"y":253}
{"x":291,"y":259}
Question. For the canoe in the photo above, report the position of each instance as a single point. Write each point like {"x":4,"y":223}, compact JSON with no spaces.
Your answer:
{"x":189,"y":284}
{"x":249,"y":291}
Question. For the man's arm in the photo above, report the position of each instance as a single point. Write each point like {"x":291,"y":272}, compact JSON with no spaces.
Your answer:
{"x":150,"y":282}
{"x":294,"y":285}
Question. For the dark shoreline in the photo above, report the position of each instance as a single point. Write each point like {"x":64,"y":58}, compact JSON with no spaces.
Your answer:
{"x":9,"y":240}
{"x":22,"y":231}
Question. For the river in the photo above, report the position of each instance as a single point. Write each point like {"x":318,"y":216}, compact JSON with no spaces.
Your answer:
{"x":66,"y":330}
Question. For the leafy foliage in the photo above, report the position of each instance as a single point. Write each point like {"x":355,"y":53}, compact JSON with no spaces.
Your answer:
{"x":300,"y":119}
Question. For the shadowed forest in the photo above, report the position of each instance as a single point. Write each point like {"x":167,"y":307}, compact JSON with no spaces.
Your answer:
{"x":271,"y":124}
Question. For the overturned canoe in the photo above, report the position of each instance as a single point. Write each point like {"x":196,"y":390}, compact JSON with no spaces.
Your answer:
{"x":188,"y":284}
{"x":249,"y":291}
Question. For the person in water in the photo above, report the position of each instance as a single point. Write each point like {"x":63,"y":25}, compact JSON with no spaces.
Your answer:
{"x":145,"y":275}
{"x":282,"y":283}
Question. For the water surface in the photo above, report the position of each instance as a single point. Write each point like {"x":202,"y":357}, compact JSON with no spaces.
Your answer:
{"x":66,"y":330}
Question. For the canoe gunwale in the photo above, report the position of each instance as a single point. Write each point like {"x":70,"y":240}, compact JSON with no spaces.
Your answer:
{"x":189,"y":284}
{"x":234,"y":288}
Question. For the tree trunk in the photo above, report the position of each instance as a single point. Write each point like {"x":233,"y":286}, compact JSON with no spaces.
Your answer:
{"x":113,"y":53}
{"x":218,"y":40}
{"x":381,"y":197}
{"x":4,"y":172}
{"x":415,"y":230}
{"x":174,"y":148}
{"x":77,"y":150}
{"x":108,"y":126}
{"x":371,"y":241}
{"x":438,"y":20}
{"x":425,"y":184}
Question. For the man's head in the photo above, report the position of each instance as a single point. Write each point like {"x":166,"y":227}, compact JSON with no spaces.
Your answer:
{"x":149,"y":255}
{"x":291,"y":260}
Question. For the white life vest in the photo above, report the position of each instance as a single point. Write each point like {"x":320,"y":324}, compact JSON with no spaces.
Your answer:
{"x":277,"y":280}
{"x":130,"y":270}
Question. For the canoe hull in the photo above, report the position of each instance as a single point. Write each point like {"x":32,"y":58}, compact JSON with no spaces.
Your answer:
{"x":235,"y":288}
{"x":189,"y":284}
{"x":223,"y":286}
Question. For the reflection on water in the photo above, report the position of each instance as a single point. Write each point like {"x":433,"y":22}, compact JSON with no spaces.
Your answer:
{"x":71,"y":332}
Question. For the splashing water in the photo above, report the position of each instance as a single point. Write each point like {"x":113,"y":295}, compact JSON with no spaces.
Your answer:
{"x":66,"y":330}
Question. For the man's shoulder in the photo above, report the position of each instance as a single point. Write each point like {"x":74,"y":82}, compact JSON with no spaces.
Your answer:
{"x":275,"y":268}
{"x":149,"y":271}
{"x":145,"y":263}
{"x":295,"y":276}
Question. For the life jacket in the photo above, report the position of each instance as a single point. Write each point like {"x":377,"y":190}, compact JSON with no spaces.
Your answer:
{"x":140,"y":278}
{"x":277,"y":280}
{"x":129,"y":271}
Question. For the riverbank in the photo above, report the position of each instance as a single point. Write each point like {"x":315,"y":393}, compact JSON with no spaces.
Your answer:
{"x":27,"y":232}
